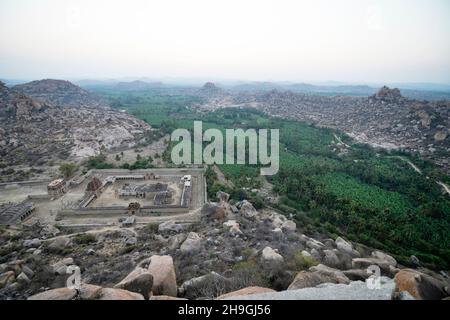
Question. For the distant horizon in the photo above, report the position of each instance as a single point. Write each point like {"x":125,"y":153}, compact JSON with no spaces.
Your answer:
{"x":198,"y":81}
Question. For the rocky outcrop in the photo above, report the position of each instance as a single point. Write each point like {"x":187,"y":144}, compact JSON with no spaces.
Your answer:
{"x":55,"y":294}
{"x":188,"y":288}
{"x":165,"y":298}
{"x":318,"y":275}
{"x":35,"y":132}
{"x":15,"y":105}
{"x":269,"y":255}
{"x":59,"y":244}
{"x":213,"y":211}
{"x":139,"y":280}
{"x":356,"y":274}
{"x":384,"y":120}
{"x":169,"y":227}
{"x":119,"y":294}
{"x":6,"y":278}
{"x":164,"y":277}
{"x":60,"y":93}
{"x":346,"y":246}
{"x":388,"y":95}
{"x":192,"y":243}
{"x":233,"y":227}
{"x":209,"y":89}
{"x":246,"y":209}
{"x":87,"y":292}
{"x":356,"y":290}
{"x":420,"y":285}
{"x":384,"y":257}
{"x":222,"y":196}
{"x":386,"y":263}
{"x":245,"y":292}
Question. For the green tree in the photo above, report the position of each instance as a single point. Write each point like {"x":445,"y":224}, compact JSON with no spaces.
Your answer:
{"x":68,"y":169}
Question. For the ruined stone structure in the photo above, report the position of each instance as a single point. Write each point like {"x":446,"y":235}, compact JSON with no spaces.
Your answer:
{"x":137,"y":194}
{"x":162,"y":198}
{"x":56,"y":188}
{"x":94,"y":185}
{"x":11,"y":213}
{"x":140,"y":191}
{"x":150,"y":176}
{"x":134,"y":208}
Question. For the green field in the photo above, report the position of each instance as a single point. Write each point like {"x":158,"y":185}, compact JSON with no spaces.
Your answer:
{"x":370,"y":197}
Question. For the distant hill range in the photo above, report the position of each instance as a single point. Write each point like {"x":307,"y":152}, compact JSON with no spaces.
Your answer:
{"x":60,"y":93}
{"x":50,"y":120}
{"x":419,"y":91}
{"x":413,"y":91}
{"x":209,"y":89}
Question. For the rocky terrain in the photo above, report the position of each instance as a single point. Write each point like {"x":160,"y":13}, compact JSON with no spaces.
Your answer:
{"x":60,"y":93}
{"x":36,"y":131}
{"x":209,"y":89}
{"x":385,"y":120}
{"x":234,"y":251}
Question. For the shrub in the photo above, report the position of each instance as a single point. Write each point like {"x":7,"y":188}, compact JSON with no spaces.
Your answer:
{"x":300,"y":262}
{"x":152,"y":227}
{"x":68,"y":169}
{"x":84,"y":238}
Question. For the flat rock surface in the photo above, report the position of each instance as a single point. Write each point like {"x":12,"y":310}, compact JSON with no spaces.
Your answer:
{"x":356,"y":290}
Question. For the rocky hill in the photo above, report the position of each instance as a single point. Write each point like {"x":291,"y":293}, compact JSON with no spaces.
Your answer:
{"x":233,"y":252}
{"x":385,"y":119}
{"x":209,"y":89}
{"x":17,"y":105}
{"x":60,"y":93}
{"x":35,"y":132}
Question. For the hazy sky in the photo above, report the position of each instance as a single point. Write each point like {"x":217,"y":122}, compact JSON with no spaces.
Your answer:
{"x":347,"y":40}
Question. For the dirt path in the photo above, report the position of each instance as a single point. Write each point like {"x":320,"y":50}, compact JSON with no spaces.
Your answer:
{"x":340,"y":141}
{"x":417,"y":169}
{"x":446,"y":188}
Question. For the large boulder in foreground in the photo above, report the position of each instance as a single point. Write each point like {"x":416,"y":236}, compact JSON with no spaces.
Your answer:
{"x":213,"y":211}
{"x":59,"y":244}
{"x":271,"y":256}
{"x":140,"y":280}
{"x":318,"y":275}
{"x":87,"y":292}
{"x":55,"y":294}
{"x":192,"y":243}
{"x":384,"y":257}
{"x":246,"y":209}
{"x":164,"y":277}
{"x":346,"y":247}
{"x":245,"y":292}
{"x":165,"y":298}
{"x":387,"y":265}
{"x":189,"y":288}
{"x":170,"y":227}
{"x":421,"y":286}
{"x":306,"y":279}
{"x":119,"y":294}
{"x":356,"y":290}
